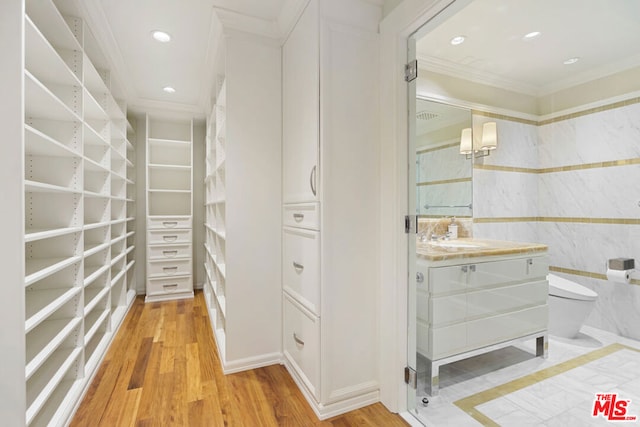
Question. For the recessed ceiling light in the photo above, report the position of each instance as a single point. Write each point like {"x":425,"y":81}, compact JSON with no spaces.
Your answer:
{"x":532,"y":35}
{"x":571,"y":61}
{"x":458,"y":40}
{"x":161,"y":36}
{"x":169,"y":89}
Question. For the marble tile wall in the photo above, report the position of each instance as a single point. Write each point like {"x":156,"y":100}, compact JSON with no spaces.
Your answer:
{"x":444,"y":179}
{"x":586,"y":213}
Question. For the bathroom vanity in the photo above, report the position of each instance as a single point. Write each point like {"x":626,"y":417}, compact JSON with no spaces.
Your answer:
{"x":475,"y":296}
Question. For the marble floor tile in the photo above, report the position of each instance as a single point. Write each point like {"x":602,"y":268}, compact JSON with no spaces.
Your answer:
{"x":565,"y":399}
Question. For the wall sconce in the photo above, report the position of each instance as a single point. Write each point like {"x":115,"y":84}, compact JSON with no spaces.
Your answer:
{"x":482,"y":146}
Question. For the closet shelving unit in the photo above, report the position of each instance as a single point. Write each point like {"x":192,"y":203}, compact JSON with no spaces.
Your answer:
{"x":169,"y":208}
{"x":75,"y":217}
{"x":131,"y":210}
{"x":215,"y":201}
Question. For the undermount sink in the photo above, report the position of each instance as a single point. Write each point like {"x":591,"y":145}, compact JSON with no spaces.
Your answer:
{"x":455,"y":244}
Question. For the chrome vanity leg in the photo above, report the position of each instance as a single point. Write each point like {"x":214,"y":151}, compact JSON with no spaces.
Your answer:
{"x":433,"y":382}
{"x":542,"y":346}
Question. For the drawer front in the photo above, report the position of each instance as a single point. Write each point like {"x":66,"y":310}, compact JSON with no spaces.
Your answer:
{"x":490,"y":302}
{"x":300,"y":266}
{"x":303,"y":215}
{"x":168,"y":286}
{"x":495,"y":329}
{"x":447,"y":310}
{"x":160,"y":223}
{"x":169,"y":252}
{"x":508,"y":271}
{"x":165,"y":237}
{"x":301,"y":343}
{"x":445,"y":280}
{"x":175,"y":267}
{"x":447,"y":341}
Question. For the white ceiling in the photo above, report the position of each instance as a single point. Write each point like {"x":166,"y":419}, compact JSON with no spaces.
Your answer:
{"x":605,"y":34}
{"x":144,"y":66}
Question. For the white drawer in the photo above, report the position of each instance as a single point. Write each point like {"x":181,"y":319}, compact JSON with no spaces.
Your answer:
{"x":448,"y":310}
{"x":447,"y":341}
{"x":508,"y":271}
{"x":158,"y":223}
{"x":444,"y":280}
{"x":489,"y":302}
{"x":303,"y":215}
{"x":170,"y":252}
{"x":301,"y":343}
{"x":300,"y":266}
{"x":169,"y":286}
{"x":165,"y":237}
{"x":495,"y":329}
{"x":176,"y":267}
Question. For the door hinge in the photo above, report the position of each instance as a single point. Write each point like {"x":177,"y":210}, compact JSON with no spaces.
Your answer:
{"x":411,"y":224}
{"x":411,"y":377}
{"x":411,"y":71}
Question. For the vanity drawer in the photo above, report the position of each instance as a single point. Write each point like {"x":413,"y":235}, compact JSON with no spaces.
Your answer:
{"x":489,"y":302}
{"x":159,"y":223}
{"x":445,"y":280}
{"x":168,"y":286}
{"x":176,"y":267}
{"x":300,"y":266}
{"x":301,"y":343}
{"x":158,"y":237}
{"x":447,"y":341}
{"x":448,"y":310}
{"x":169,"y":252}
{"x":303,"y":215}
{"x":513,"y":270}
{"x":495,"y":329}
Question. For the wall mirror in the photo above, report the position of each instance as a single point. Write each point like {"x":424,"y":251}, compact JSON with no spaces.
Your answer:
{"x":443,"y":175}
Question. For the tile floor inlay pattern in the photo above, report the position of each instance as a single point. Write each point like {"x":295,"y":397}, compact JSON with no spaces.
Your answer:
{"x":562,"y":394}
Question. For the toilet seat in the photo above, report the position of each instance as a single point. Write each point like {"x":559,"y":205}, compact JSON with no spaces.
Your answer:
{"x":564,"y":288}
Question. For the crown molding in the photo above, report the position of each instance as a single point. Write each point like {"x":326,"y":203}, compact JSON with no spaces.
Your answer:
{"x":449,"y":68}
{"x":248,"y":24}
{"x":95,"y":17}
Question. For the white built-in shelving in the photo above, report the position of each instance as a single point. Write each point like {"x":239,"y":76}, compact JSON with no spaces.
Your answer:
{"x":169,"y":208}
{"x":243,"y":189}
{"x":76,"y":194}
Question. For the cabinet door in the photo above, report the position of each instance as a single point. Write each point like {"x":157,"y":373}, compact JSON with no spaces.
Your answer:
{"x":301,"y":104}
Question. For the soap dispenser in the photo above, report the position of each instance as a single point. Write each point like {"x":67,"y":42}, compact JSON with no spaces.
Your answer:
{"x":453,"y":229}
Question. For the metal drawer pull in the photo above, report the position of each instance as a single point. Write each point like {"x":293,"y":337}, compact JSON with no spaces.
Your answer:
{"x":170,"y":269}
{"x":419,"y":277}
{"x":173,"y":285}
{"x":170,"y":254}
{"x":298,"y":266}
{"x":170,"y":238}
{"x":170,"y":224}
{"x":298,"y":340}
{"x":312,"y":180}
{"x":472,"y":268}
{"x":298,"y":217}
{"x":465,"y":268}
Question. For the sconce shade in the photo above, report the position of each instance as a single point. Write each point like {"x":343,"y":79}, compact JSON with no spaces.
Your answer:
{"x":466,"y":141}
{"x":489,"y":136}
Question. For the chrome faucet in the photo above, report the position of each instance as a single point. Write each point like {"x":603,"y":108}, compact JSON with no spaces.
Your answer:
{"x":435,"y":237}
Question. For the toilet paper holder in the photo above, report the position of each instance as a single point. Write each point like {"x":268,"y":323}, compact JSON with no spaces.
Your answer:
{"x":621,"y":264}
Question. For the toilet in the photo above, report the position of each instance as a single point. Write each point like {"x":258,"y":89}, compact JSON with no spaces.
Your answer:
{"x":569,"y":305}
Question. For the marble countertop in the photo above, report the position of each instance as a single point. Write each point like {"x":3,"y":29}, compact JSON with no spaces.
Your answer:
{"x":470,"y":248}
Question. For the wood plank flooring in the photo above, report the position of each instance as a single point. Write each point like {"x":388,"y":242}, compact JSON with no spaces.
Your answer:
{"x":162,"y":369}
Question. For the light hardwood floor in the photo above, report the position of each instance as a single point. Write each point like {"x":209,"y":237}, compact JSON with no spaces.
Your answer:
{"x":162,"y":369}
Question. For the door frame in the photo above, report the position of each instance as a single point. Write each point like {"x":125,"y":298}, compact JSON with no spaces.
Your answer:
{"x":395,"y":30}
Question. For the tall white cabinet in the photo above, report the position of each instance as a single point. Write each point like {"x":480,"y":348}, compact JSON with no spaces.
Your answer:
{"x":169,"y":208}
{"x":243,"y":202}
{"x":330,"y":111}
{"x":77,"y":237}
